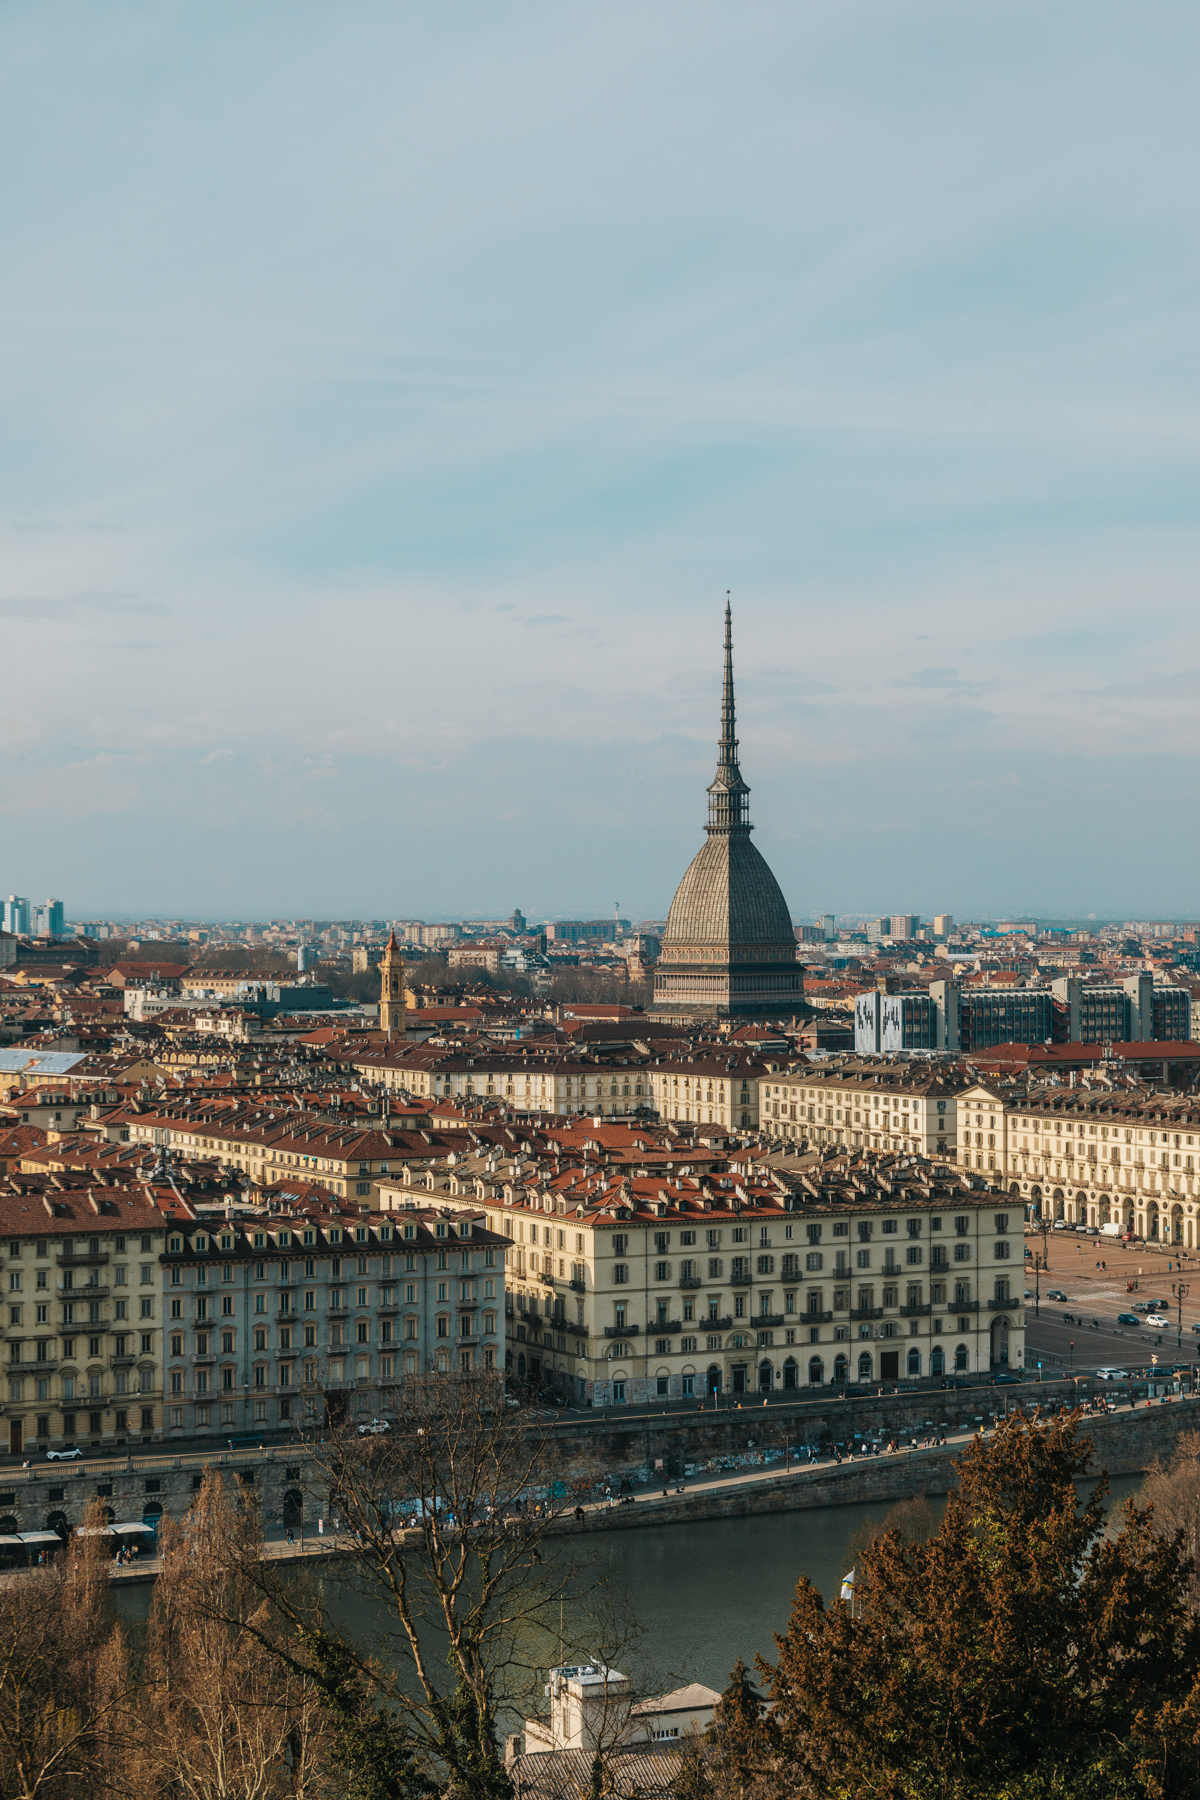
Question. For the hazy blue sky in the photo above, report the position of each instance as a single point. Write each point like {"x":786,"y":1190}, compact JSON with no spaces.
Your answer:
{"x":391,"y":392}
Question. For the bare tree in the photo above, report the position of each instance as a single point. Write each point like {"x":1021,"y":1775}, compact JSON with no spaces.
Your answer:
{"x":448,"y":1515}
{"x":64,"y":1678}
{"x":1172,"y":1492}
{"x":222,"y":1717}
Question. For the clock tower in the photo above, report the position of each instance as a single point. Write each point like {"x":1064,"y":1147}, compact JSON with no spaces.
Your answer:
{"x":391,"y":991}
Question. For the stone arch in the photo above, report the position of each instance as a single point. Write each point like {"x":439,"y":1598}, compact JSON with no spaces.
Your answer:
{"x":962,"y":1358}
{"x":841,"y":1366}
{"x":766,"y":1377}
{"x":1014,"y":1190}
{"x":790,"y":1373}
{"x":713,"y":1378}
{"x":914,"y":1362}
{"x":937,"y":1360}
{"x":816,"y":1372}
{"x":293,"y":1509}
{"x":864,"y":1366}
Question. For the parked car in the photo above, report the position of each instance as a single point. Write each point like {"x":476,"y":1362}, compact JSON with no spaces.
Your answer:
{"x":1112,"y":1374}
{"x":1157,"y":1322}
{"x":1005,"y":1378}
{"x":1132,"y":1319}
{"x":1061,"y":1225}
{"x":1141,"y":1306}
{"x":1055,"y":1294}
{"x":71,"y":1454}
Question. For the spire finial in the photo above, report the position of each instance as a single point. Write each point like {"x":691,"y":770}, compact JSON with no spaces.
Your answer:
{"x":729,"y":797}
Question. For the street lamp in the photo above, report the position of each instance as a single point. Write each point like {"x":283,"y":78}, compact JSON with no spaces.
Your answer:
{"x":1181,"y":1290}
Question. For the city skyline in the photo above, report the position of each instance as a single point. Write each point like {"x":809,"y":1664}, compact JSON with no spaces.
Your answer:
{"x":391,"y":472}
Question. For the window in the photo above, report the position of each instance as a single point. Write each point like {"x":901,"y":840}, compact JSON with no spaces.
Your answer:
{"x":862,"y":1259}
{"x":962,"y":1252}
{"x":662,"y":1271}
{"x":620,"y":1273}
{"x":912,"y":1255}
{"x":1001,"y":1249}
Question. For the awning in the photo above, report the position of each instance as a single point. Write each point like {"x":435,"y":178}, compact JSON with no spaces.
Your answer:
{"x":131,"y":1528}
{"x":38,"y":1537}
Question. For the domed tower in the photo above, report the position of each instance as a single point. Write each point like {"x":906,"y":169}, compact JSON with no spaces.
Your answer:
{"x":391,"y":991}
{"x":728,"y":950}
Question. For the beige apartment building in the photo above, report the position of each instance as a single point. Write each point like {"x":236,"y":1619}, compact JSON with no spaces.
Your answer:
{"x":525,"y":1083}
{"x":82,"y":1322}
{"x":1090,"y":1156}
{"x":629,"y":1289}
{"x":718,"y":1089}
{"x":864,"y":1106}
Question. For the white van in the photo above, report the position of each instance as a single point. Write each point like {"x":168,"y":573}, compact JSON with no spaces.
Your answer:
{"x":1113,"y":1229}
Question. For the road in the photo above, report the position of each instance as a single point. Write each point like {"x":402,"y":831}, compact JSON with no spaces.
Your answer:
{"x":1100,"y":1294}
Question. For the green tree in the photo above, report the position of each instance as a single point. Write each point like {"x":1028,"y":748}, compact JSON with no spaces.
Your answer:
{"x":1019,"y":1653}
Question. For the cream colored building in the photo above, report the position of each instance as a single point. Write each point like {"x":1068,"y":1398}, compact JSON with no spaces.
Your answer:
{"x":1091,"y":1156}
{"x":864,"y":1106}
{"x":625,"y":1290}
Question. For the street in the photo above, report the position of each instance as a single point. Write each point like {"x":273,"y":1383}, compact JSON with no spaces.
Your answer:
{"x":1100,"y":1294}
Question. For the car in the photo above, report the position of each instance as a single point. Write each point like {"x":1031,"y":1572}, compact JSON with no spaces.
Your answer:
{"x":1055,"y":1294}
{"x":1061,"y":1225}
{"x":252,"y":1440}
{"x":1157,"y":1322}
{"x":374,"y":1429}
{"x":1132,"y":1319}
{"x":1112,"y":1374}
{"x":1159,"y":1305}
{"x":1028,"y":1295}
{"x":1196,"y":1327}
{"x":1005,"y":1378}
{"x":1141,"y":1306}
{"x":72,"y":1454}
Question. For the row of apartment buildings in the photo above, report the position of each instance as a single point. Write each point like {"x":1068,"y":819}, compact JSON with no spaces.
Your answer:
{"x":125,"y":1321}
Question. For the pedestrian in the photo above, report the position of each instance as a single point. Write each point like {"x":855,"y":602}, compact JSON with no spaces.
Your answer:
{"x":290,"y":1536}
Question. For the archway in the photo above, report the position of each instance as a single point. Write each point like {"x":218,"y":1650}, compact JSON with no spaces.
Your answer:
{"x":789,"y":1372}
{"x":1000,"y":1343}
{"x":914,"y":1362}
{"x":937,"y":1361}
{"x":57,"y":1521}
{"x":739,"y":1378}
{"x":293,"y":1509}
{"x":9,"y":1526}
{"x":1177,"y":1224}
{"x":1035,"y":1201}
{"x":841,"y":1368}
{"x":1057,"y":1202}
{"x":1152,"y":1220}
{"x":962,"y":1358}
{"x":816,"y":1372}
{"x":152,"y":1516}
{"x":864,"y":1366}
{"x":766,"y":1376}
{"x":1014,"y":1190}
{"x":714,"y":1379}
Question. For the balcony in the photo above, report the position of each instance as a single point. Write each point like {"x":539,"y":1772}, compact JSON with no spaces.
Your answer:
{"x":546,"y":1280}
{"x":813,"y":1318}
{"x":82,"y":1262}
{"x":712,"y":1323}
{"x":577,"y":1286}
{"x":664,"y":1325}
{"x":741,"y":1280}
{"x":965,"y":1306}
{"x":121,"y":1362}
{"x":1003,"y":1305}
{"x":866,"y":1312}
{"x":765,"y":1321}
{"x":614,"y":1331}
{"x":83,"y":1293}
{"x":915,"y":1312}
{"x":287,"y":1315}
{"x":578,"y":1329}
{"x":689,"y":1281}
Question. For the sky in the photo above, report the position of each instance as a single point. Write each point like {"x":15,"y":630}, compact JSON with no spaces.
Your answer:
{"x":391,"y":393}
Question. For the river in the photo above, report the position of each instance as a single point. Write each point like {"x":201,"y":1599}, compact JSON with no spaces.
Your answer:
{"x":713,"y":1590}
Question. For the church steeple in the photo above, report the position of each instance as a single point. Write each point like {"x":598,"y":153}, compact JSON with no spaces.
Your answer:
{"x":728,"y":796}
{"x":391,"y":991}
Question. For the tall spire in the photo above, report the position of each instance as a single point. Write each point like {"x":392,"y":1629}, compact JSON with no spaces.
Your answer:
{"x":728,"y":796}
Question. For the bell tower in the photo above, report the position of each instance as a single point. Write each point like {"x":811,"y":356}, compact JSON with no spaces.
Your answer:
{"x":391,"y":991}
